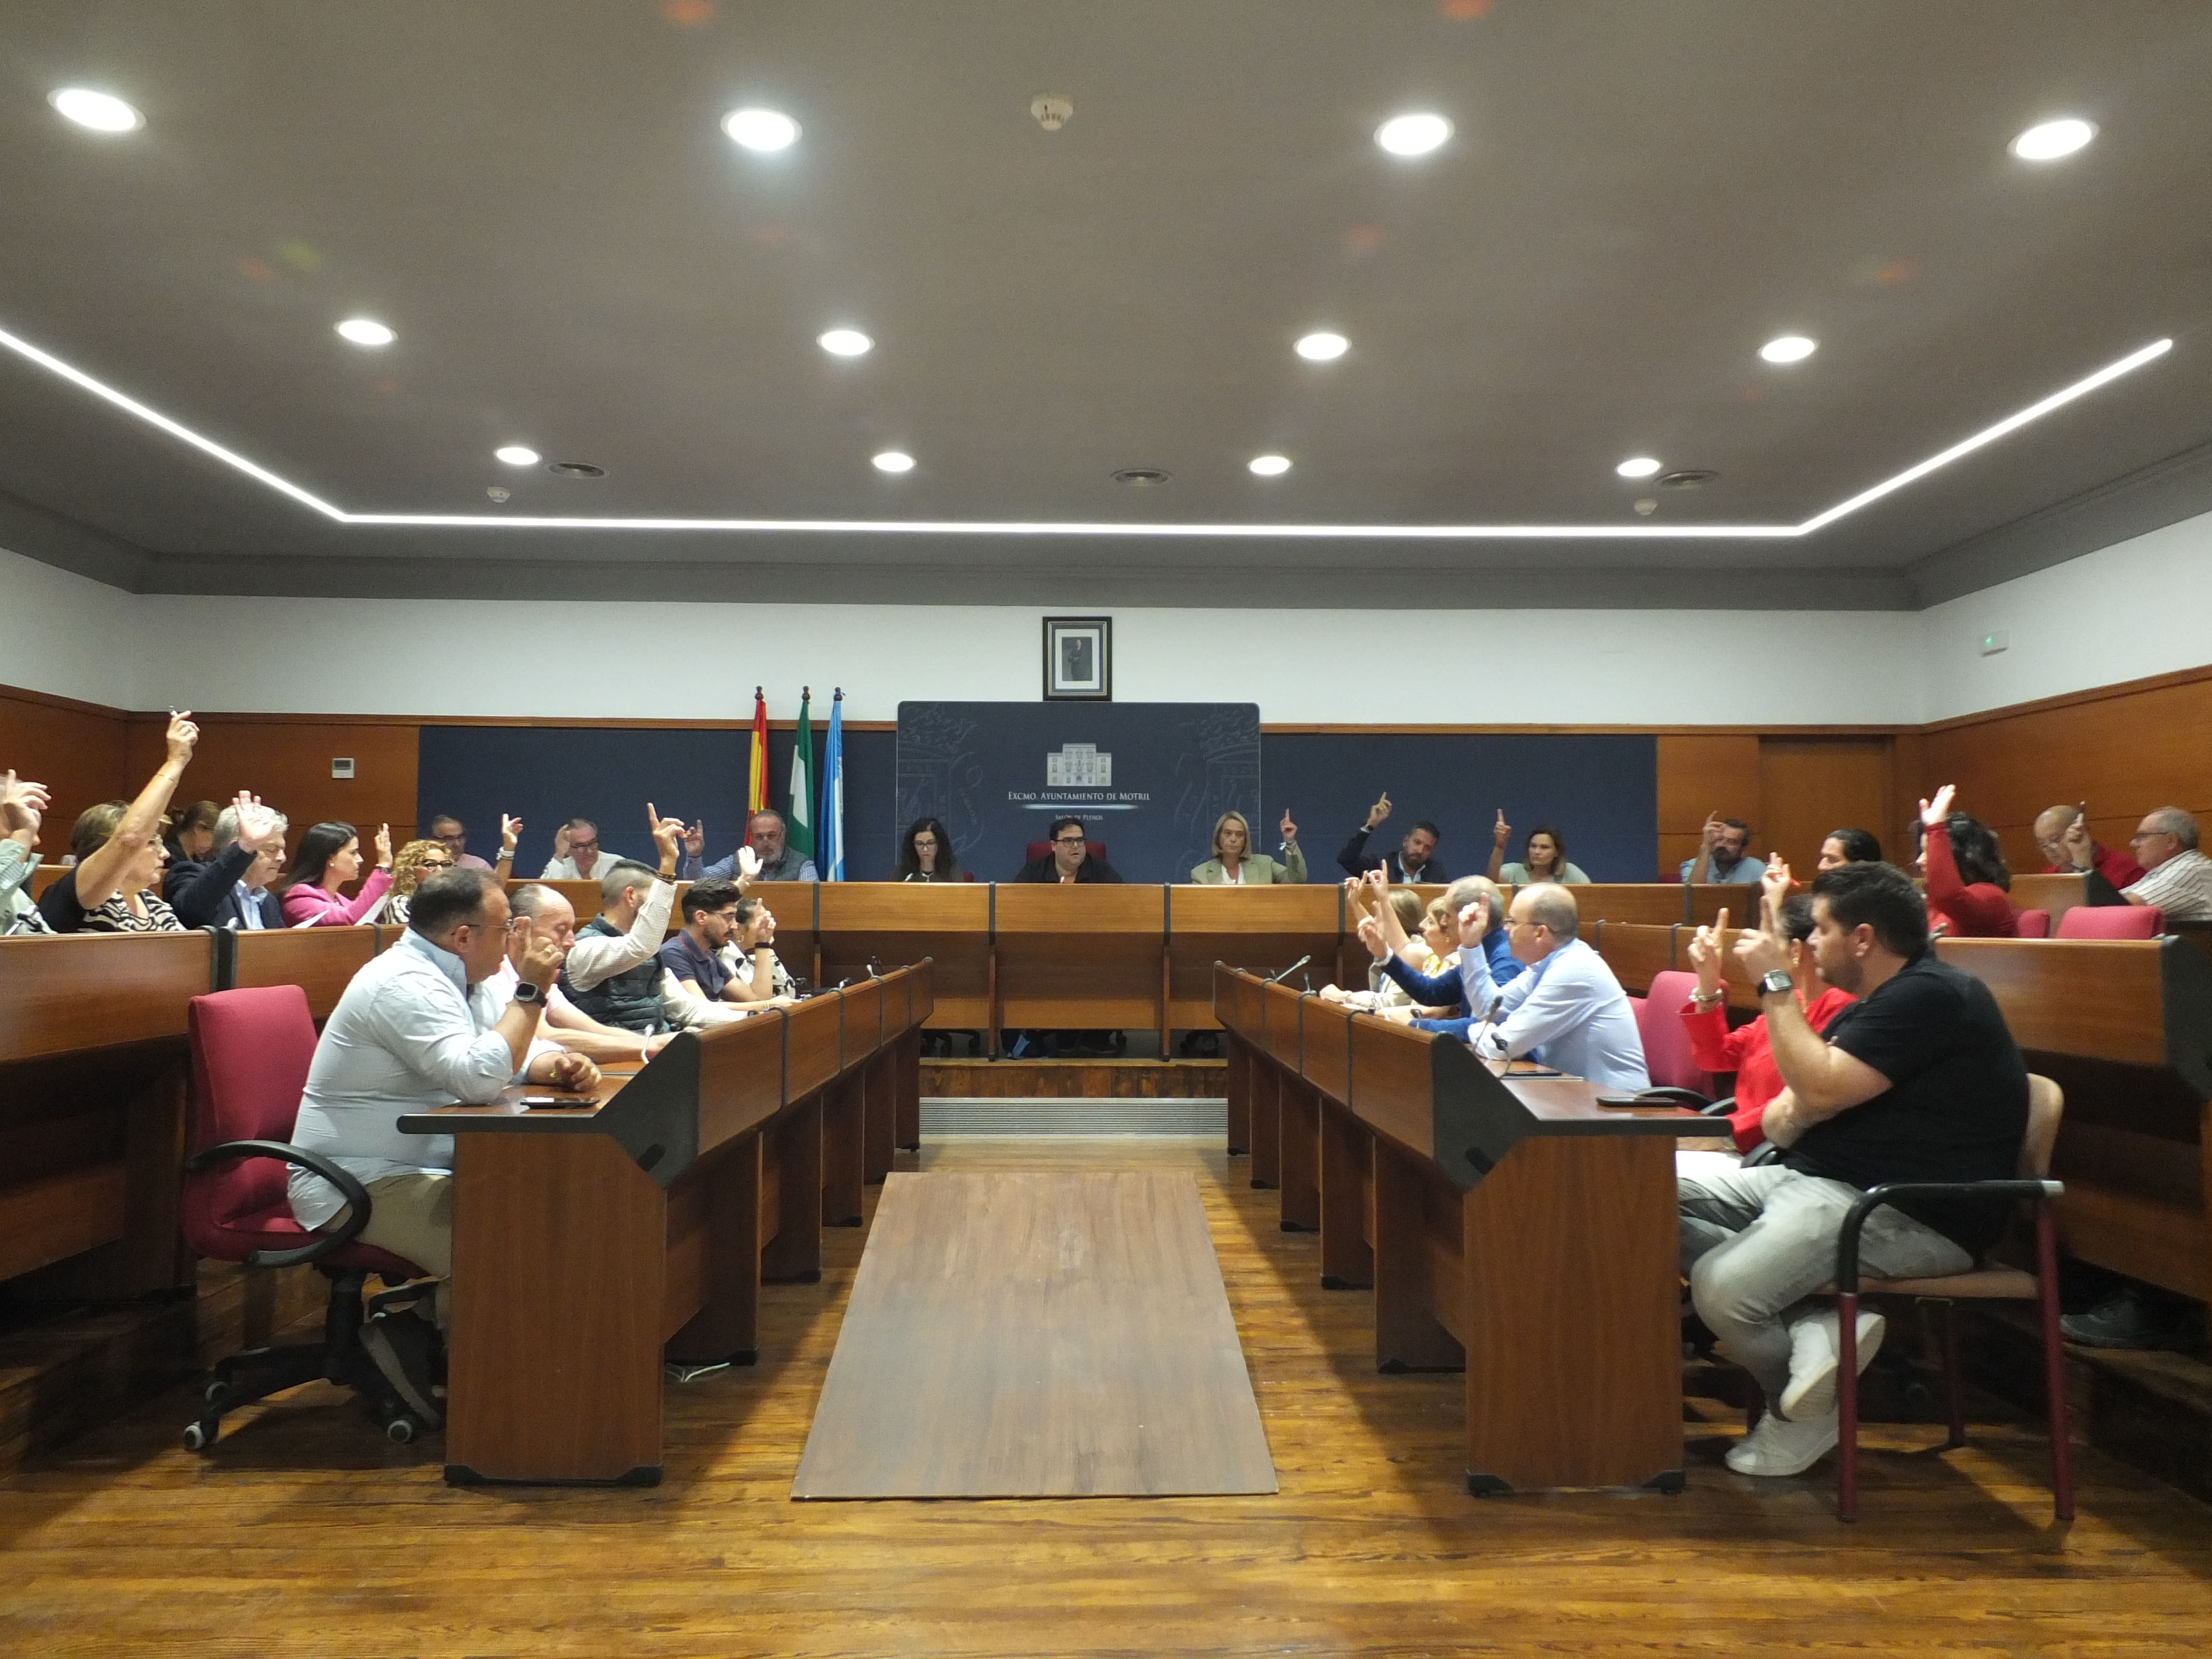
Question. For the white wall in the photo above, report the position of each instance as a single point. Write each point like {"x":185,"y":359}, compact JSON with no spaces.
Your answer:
{"x":65,"y":635}
{"x":2138,"y":607}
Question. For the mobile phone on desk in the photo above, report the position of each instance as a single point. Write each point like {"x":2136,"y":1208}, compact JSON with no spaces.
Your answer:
{"x":551,"y":1102}
{"x":1626,"y":1100}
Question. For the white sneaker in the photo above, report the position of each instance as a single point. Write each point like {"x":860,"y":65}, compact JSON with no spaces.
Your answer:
{"x":1815,"y":1357}
{"x":1779,"y":1446}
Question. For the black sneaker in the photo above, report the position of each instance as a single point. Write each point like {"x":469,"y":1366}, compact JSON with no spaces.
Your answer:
{"x":2130,"y":1318}
{"x":404,"y":1349}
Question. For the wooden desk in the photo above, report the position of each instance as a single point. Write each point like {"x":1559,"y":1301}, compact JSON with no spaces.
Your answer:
{"x":1087,"y":956}
{"x":2125,"y":1027}
{"x":1510,"y":1227}
{"x":588,"y":1244}
{"x":93,"y":1076}
{"x":1265,"y":929}
{"x":880,"y":922}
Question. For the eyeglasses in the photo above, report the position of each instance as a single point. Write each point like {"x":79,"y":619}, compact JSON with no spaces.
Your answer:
{"x":1069,"y":841}
{"x":435,"y":864}
{"x":2141,"y":835}
{"x":583,"y":846}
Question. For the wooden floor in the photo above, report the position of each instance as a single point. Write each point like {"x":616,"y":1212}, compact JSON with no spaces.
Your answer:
{"x":1037,"y":1333}
{"x":307,"y":1536}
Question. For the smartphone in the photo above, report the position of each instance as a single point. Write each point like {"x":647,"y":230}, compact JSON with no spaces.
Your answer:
{"x":1622,"y":1100}
{"x":549,"y":1102}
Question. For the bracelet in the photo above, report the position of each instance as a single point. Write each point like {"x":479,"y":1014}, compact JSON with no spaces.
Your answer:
{"x":1709,"y":998}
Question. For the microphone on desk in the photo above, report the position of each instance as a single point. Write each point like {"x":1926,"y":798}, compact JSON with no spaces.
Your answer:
{"x":1277,"y":979}
{"x":1490,"y":1019}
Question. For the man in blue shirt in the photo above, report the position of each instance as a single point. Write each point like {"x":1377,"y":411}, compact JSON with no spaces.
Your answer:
{"x":1723,"y":857}
{"x":694,"y":954}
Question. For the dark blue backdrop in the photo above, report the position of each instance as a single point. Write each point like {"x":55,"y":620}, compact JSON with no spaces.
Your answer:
{"x":1601,"y":791}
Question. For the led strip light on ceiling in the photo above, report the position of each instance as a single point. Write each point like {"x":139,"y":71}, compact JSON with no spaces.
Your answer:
{"x":262,"y":475}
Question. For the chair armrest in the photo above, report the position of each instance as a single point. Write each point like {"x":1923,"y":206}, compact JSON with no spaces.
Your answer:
{"x":1765,"y":1153}
{"x":1847,"y":1242}
{"x":1667,"y":1094}
{"x":355,"y":1195}
{"x":1718,"y":1109}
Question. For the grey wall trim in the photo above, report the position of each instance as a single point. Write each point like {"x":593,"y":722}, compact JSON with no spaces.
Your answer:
{"x":1562,"y":587}
{"x":37,"y":533}
{"x":2166,"y":492}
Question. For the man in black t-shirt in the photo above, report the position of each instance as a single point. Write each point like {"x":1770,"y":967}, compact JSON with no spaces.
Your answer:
{"x":1917,"y":1080}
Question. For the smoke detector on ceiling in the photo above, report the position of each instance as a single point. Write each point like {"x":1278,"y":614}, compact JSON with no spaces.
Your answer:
{"x":1052,"y":111}
{"x":496,"y":492}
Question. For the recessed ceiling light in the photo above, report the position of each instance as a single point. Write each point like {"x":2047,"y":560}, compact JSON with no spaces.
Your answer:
{"x":101,"y":112}
{"x":760,"y":129}
{"x":575,"y":470}
{"x":2050,"y":140}
{"x":1322,"y":348}
{"x":1140,"y":478}
{"x":1270,"y":466}
{"x":1789,"y":349}
{"x":894,"y":460}
{"x":517,"y":455}
{"x":1637,"y":466}
{"x":363,"y":332}
{"x":1413,"y":134}
{"x":845,"y":342}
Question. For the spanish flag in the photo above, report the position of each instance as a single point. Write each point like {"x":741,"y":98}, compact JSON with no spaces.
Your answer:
{"x":756,"y":780}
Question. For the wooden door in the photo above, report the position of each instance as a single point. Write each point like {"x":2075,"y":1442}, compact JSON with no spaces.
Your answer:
{"x":1811,"y":786}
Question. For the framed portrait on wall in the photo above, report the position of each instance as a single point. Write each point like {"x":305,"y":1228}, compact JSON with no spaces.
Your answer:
{"x":1079,"y":658}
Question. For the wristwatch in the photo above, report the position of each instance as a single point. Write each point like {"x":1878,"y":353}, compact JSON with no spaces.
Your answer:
{"x":524,"y":992}
{"x":1775,"y":982}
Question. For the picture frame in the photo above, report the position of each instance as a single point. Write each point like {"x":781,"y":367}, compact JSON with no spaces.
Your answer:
{"x":1079,"y":658}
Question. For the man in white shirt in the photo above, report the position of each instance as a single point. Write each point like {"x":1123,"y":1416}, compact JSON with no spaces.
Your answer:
{"x":576,"y":855}
{"x":2176,"y":878}
{"x":540,"y":913}
{"x":1568,"y":1012}
{"x":415,"y":1030}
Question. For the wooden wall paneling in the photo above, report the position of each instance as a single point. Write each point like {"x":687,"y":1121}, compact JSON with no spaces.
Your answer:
{"x":1811,"y":785}
{"x":1075,"y":956}
{"x":2123,"y":751}
{"x":79,"y":751}
{"x":287,"y":762}
{"x":1702,"y":773}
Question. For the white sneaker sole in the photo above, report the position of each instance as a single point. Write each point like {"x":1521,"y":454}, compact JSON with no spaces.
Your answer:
{"x":1813,"y":1394}
{"x":1768,"y":1467}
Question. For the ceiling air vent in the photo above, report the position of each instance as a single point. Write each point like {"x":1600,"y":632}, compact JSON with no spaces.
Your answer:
{"x":1687,"y":478}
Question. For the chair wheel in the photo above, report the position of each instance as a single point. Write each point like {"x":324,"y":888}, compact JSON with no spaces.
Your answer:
{"x":400,"y":1430}
{"x":199,"y":1437}
{"x":214,"y":1390}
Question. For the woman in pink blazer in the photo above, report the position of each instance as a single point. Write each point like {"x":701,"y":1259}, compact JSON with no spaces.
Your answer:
{"x":328,"y":857}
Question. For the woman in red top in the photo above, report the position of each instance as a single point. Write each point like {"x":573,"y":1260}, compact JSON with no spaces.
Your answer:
{"x":1745,"y":1050}
{"x":1966,"y":873}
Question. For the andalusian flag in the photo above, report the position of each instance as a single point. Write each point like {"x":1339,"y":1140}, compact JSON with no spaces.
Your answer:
{"x":756,"y":778}
{"x":798,"y":822}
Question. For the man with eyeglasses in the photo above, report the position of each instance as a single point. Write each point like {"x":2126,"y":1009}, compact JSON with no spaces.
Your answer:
{"x":575,"y":852}
{"x":1568,"y":1012}
{"x":2178,"y":879}
{"x":1070,"y":860}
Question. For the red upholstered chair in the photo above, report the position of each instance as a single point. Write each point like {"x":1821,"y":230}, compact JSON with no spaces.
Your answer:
{"x":251,"y":1050}
{"x":1039,"y":848}
{"x":2112,"y":921}
{"x":2031,"y":923}
{"x":1674,"y":1070}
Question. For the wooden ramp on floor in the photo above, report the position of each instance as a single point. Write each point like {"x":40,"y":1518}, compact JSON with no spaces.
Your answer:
{"x":1037,"y":1335}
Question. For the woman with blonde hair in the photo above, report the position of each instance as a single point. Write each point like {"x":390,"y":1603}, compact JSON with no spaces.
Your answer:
{"x":413,"y":865}
{"x":1234,"y":864}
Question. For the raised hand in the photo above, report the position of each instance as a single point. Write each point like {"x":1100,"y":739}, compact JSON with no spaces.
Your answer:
{"x":1774,"y":884}
{"x":1370,"y":934}
{"x":2080,"y":848}
{"x":1705,"y":954}
{"x":541,"y":959}
{"x":1378,"y":884}
{"x":1933,"y":812}
{"x":1380,"y":811}
{"x":22,"y":804}
{"x":182,"y":737}
{"x":384,"y":846}
{"x":1290,"y":831}
{"x":561,"y":842}
{"x":1714,"y":829}
{"x":694,"y":838}
{"x":1761,"y":953}
{"x":510,"y":831}
{"x":749,"y":864}
{"x":667,"y":834}
{"x":255,"y":821}
{"x":1502,"y":832}
{"x":1474,"y":919}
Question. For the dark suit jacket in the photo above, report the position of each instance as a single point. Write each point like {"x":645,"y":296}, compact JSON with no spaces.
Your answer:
{"x":1354,"y":859}
{"x":206,"y":895}
{"x":1047,"y":870}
